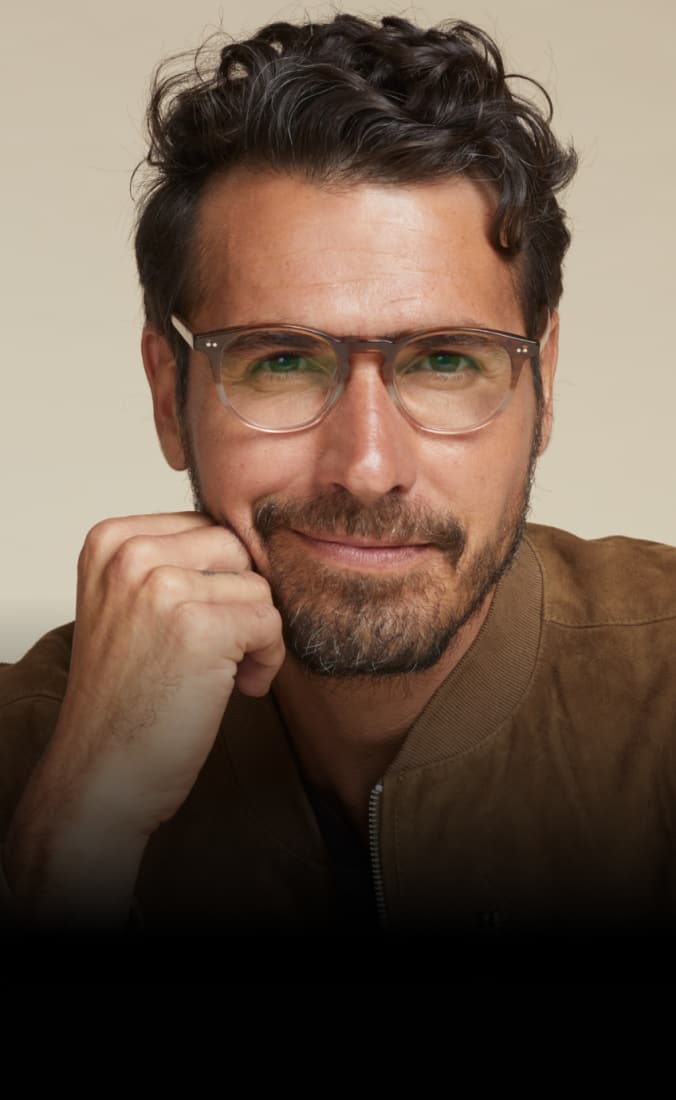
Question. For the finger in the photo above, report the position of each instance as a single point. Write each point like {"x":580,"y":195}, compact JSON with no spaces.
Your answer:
{"x":167,"y":585}
{"x":110,"y":533}
{"x":253,"y":678}
{"x":212,"y":549}
{"x":105,"y":538}
{"x":226,"y":636}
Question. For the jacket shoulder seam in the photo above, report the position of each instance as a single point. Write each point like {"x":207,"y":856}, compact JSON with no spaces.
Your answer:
{"x":558,"y":620}
{"x":577,"y":625}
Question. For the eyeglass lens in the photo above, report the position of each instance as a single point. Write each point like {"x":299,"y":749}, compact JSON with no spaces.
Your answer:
{"x":447,"y":382}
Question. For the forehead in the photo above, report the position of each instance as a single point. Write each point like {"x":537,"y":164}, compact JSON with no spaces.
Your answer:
{"x":363,"y":259}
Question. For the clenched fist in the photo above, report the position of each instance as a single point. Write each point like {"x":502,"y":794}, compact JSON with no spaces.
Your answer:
{"x":170,"y":616}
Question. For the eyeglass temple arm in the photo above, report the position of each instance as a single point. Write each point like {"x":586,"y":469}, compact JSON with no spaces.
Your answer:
{"x":547,"y":333}
{"x":183,"y":331}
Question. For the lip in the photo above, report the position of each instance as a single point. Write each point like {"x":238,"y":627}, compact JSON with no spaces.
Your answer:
{"x":362,"y":543}
{"x":360,"y":553}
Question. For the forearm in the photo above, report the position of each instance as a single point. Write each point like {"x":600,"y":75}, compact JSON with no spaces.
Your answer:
{"x":69,"y":865}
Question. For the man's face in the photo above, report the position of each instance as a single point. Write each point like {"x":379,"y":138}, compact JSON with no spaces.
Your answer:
{"x":436,"y":518}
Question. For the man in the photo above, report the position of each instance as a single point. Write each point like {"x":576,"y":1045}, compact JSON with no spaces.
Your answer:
{"x":351,"y":692}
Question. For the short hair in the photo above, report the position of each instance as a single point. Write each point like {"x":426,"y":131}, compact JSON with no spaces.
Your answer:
{"x":343,"y":102}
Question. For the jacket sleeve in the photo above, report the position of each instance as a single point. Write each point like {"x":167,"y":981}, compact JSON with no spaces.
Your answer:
{"x":31,"y":692}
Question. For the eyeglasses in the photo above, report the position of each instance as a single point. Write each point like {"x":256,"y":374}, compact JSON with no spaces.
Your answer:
{"x":282,"y":378}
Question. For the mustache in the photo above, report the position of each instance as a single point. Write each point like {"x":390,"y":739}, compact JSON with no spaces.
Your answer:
{"x":341,"y":513}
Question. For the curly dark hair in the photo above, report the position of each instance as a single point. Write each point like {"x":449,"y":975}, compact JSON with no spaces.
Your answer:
{"x":344,"y":102}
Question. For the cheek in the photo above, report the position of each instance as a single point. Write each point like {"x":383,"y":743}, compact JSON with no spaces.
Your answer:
{"x":482,"y":476}
{"x":237,"y":465}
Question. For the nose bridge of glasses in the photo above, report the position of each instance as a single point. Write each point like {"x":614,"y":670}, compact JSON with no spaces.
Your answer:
{"x":354,"y":349}
{"x":355,"y":344}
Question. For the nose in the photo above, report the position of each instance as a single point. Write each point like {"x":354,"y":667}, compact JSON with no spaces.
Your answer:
{"x":367,"y":445}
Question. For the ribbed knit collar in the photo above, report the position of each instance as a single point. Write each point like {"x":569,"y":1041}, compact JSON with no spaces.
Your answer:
{"x":486,"y":685}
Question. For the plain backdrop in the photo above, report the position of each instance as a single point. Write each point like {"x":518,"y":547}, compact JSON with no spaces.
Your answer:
{"x":77,"y":440}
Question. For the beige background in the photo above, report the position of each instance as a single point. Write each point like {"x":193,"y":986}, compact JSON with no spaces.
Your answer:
{"x":77,"y":441}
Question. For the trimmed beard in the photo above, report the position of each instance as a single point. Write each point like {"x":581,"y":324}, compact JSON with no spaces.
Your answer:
{"x":342,"y":624}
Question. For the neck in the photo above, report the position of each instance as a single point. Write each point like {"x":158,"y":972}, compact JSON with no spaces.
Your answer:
{"x":347,"y":732}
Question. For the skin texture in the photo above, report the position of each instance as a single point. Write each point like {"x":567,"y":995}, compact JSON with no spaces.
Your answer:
{"x":367,"y":261}
{"x":173,"y":611}
{"x":169,"y":615}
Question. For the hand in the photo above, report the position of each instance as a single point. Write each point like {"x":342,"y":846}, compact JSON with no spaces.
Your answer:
{"x":169,"y":618}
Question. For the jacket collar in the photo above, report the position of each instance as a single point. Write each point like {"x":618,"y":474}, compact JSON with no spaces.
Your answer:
{"x":472,"y":703}
{"x":487,"y":684}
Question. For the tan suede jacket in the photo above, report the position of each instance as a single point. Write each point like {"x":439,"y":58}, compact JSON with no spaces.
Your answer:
{"x":537,"y":788}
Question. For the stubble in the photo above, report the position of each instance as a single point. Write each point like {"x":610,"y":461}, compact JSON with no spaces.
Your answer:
{"x":344,"y":624}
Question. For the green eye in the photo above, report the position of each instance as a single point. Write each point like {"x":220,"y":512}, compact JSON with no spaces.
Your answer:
{"x":282,"y":364}
{"x":446,"y":362}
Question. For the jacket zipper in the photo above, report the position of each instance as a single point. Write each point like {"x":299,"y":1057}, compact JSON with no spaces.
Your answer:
{"x":374,"y":844}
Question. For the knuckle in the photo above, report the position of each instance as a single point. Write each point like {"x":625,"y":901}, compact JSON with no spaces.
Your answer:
{"x":101,"y":531}
{"x":97,"y":542}
{"x":186,"y":623}
{"x":265,"y":613}
{"x":183,"y":614}
{"x":260,"y":583}
{"x":131,"y":558}
{"x":162,"y":585}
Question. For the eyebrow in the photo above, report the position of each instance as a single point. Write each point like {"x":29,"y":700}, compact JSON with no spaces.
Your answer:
{"x":399,"y":334}
{"x":461,"y":322}
{"x":267,"y":338}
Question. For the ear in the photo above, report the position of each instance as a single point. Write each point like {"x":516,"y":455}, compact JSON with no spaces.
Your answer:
{"x":549,"y":355}
{"x":160,"y":368}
